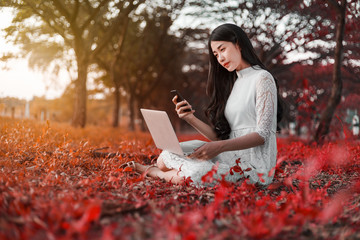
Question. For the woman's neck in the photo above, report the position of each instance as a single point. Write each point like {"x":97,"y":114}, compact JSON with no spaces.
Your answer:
{"x":243,"y":66}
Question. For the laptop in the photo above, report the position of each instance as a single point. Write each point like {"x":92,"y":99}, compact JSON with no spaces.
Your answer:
{"x":162,"y":131}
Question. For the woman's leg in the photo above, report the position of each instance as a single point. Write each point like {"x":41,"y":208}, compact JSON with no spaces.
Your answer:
{"x":171,"y":175}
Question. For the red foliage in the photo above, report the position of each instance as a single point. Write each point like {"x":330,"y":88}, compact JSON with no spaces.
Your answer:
{"x":52,"y":186}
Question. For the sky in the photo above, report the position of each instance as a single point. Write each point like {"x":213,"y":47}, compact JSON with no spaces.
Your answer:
{"x":17,"y":79}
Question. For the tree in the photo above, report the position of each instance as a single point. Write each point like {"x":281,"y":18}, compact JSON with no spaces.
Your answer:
{"x":151,"y":58}
{"x":108,"y":61}
{"x":72,"y":25}
{"x":147,"y":52}
{"x":146,"y":31}
{"x":335,"y":97}
{"x":331,"y":20}
{"x":276,"y":31}
{"x":309,"y":27}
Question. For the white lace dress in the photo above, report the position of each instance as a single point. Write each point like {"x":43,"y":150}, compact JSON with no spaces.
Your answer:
{"x":251,"y":107}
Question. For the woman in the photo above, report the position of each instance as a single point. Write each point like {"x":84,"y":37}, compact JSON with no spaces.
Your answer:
{"x":243,"y":115}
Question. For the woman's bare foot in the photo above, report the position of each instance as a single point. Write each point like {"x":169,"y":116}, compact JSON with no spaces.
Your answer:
{"x":153,"y":171}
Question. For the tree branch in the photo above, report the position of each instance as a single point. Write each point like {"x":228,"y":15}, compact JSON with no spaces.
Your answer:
{"x":93,"y":14}
{"x":335,"y":5}
{"x":46,"y":20}
{"x":114,"y":28}
{"x":75,"y":12}
{"x":62,"y":9}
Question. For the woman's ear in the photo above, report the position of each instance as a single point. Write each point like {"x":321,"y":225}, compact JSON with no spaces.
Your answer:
{"x":237,"y":47}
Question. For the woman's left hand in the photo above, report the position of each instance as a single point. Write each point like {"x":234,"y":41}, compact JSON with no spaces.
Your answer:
{"x":207,"y":151}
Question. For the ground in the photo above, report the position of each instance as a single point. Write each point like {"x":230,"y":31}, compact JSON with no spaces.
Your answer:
{"x":57,"y":182}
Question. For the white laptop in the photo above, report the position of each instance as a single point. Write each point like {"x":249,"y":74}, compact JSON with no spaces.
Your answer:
{"x":162,"y":131}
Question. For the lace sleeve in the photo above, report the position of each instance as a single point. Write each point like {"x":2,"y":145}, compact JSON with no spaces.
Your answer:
{"x":266,"y":103}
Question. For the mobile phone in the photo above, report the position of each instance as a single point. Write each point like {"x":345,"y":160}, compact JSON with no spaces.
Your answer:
{"x":180,"y":98}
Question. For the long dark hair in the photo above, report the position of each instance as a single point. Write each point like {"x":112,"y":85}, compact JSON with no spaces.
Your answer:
{"x":221,"y":81}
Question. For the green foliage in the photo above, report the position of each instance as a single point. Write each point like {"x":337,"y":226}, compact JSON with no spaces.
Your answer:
{"x":148,"y":59}
{"x":68,"y":31}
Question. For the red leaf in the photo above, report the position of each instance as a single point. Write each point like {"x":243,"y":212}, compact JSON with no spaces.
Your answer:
{"x":190,"y":236}
{"x":209,"y":177}
{"x":306,"y":83}
{"x":128,"y":169}
{"x":92,"y":213}
{"x":261,"y":178}
{"x":334,"y":208}
{"x":237,"y":169}
{"x":260,"y":203}
{"x":107,"y":233}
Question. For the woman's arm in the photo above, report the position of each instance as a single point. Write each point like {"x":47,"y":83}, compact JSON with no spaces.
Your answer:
{"x":247,"y":141}
{"x":266,"y":103}
{"x":212,"y":149}
{"x":203,"y":128}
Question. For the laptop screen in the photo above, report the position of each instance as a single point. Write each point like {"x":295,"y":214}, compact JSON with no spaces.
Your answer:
{"x":162,"y":131}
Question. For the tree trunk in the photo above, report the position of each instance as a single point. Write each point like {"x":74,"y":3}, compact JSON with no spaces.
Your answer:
{"x":142,"y":123}
{"x":132,"y":112}
{"x":79,"y":117}
{"x":116,"y":106}
{"x":335,"y":97}
{"x":113,"y":74}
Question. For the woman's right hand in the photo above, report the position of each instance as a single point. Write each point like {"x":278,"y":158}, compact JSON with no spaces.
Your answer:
{"x":180,"y":108}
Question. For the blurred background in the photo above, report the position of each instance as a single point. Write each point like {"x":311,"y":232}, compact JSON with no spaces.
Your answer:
{"x":88,"y":62}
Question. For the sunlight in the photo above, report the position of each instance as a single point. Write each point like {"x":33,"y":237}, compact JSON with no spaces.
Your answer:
{"x":16,"y":78}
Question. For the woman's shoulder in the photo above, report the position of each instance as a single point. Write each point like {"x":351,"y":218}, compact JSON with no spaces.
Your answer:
{"x":262,"y":73}
{"x":264,"y":77}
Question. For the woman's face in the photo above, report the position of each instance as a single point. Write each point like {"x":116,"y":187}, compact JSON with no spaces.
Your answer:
{"x":228,"y":55}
